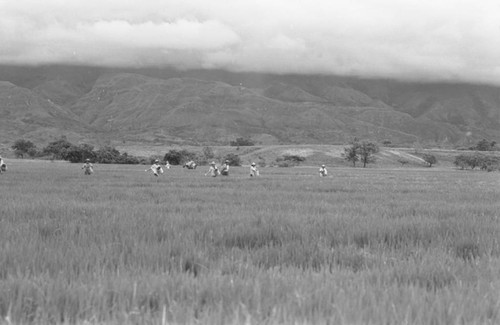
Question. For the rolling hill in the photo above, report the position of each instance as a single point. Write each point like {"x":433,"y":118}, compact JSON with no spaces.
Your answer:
{"x":155,"y":106}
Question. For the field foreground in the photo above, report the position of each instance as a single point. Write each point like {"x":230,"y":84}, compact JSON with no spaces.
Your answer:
{"x":362,"y":246}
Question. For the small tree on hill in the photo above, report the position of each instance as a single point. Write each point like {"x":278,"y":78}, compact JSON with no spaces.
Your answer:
{"x":367,"y":151}
{"x":351,"y":153}
{"x":461,"y":161}
{"x":485,"y":145}
{"x":476,"y":160}
{"x":429,"y":159}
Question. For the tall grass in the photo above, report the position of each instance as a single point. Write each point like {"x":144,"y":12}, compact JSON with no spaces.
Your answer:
{"x":370,"y":246}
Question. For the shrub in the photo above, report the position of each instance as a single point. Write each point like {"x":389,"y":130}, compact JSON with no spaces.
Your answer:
{"x":241,"y":142}
{"x":58,"y":148}
{"x":429,"y":159}
{"x":289,"y":160}
{"x":484,"y":145}
{"x":178,"y":157}
{"x":23,"y":147}
{"x":465,"y":161}
{"x":403,"y":161}
{"x":234,"y":160}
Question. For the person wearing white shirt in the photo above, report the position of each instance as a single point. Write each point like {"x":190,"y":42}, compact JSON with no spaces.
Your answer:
{"x":88,"y":167}
{"x":253,"y":170}
{"x":156,"y":168}
{"x":213,"y":170}
{"x":322,"y":171}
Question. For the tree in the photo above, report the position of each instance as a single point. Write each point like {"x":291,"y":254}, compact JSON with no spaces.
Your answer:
{"x":476,"y":160}
{"x":23,"y":147}
{"x":351,"y":153}
{"x":461,"y":161}
{"x":366,"y":152}
{"x":430,"y":159}
{"x":178,"y":157}
{"x":107,"y":155}
{"x":490,"y":163}
{"x":485,"y":145}
{"x":58,"y":148}
{"x":79,"y":153}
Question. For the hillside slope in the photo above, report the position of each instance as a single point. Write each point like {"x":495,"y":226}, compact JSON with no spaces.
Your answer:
{"x":162,"y":106}
{"x":26,"y":114}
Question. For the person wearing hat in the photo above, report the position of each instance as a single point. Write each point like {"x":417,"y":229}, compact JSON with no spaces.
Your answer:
{"x":213,"y":170}
{"x":3,"y":166}
{"x":253,"y":170}
{"x":156,"y":168}
{"x":225,"y":169}
{"x":88,"y":167}
{"x":323,"y":171}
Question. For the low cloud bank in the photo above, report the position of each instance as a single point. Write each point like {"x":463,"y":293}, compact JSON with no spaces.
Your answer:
{"x":417,"y":40}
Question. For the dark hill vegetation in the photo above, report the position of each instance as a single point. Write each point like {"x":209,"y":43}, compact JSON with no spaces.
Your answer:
{"x":155,"y":106}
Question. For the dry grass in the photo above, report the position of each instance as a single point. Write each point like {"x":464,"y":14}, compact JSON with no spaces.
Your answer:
{"x":363,"y":246}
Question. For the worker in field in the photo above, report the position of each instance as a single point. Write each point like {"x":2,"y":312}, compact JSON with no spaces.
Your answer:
{"x":322,"y":171}
{"x":224,"y":170}
{"x":213,"y":170}
{"x":156,"y":168}
{"x":3,"y":166}
{"x":167,"y":165}
{"x":253,"y":170}
{"x":87,"y":167}
{"x":189,"y":165}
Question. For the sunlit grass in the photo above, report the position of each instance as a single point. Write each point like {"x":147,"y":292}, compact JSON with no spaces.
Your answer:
{"x":400,"y":246}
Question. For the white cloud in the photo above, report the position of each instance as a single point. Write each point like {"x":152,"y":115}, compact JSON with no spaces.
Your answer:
{"x":448,"y":39}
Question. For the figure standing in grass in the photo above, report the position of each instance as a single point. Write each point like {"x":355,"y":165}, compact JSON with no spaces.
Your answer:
{"x":253,"y":170}
{"x":322,"y":171}
{"x":167,"y":165}
{"x":3,"y":166}
{"x":156,"y":168}
{"x":88,"y":167}
{"x":213,"y":170}
{"x":225,"y":169}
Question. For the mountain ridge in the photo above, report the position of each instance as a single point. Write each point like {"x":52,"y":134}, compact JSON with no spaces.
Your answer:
{"x":98,"y":105}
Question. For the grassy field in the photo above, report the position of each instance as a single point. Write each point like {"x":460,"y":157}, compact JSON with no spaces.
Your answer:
{"x":362,"y":246}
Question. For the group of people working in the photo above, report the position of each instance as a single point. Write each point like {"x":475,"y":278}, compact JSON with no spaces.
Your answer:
{"x":157,"y":168}
{"x":214,"y":171}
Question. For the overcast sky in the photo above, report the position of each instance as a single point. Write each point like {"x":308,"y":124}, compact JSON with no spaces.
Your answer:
{"x":416,"y":39}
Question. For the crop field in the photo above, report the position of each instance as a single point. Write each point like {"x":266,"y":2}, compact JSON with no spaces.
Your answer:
{"x":361,"y":246}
